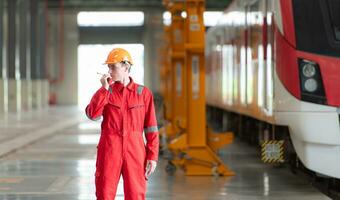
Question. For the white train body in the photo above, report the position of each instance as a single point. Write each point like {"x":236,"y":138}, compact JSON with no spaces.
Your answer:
{"x":263,"y":61}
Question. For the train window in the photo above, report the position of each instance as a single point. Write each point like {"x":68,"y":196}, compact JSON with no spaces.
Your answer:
{"x":224,"y":59}
{"x":269,"y":64}
{"x":254,"y":27}
{"x":315,"y":22}
{"x":334,"y":7}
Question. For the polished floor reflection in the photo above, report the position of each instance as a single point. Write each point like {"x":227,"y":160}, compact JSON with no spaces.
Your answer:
{"x":61,"y":167}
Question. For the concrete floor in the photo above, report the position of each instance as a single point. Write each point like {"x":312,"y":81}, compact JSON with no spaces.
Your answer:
{"x":61,"y":167}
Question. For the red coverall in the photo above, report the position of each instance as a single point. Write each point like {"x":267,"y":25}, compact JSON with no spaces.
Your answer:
{"x":126,"y":111}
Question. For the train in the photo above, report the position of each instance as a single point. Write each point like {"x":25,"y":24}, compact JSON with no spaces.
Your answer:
{"x":273,"y":72}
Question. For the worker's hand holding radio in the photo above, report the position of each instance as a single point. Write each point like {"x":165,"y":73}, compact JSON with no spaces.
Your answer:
{"x":106,"y":81}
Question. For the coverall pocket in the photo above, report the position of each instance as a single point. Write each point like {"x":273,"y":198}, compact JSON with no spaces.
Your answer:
{"x":113,"y":117}
{"x":136,"y":112}
{"x":131,"y":106}
{"x":117,"y":106}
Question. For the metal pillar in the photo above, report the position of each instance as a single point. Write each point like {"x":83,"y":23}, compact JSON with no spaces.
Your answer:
{"x":176,"y":73}
{"x":167,"y":77}
{"x":178,"y":68}
{"x":14,"y":84}
{"x":24,"y":55}
{"x":3,"y":59}
{"x":36,"y":65}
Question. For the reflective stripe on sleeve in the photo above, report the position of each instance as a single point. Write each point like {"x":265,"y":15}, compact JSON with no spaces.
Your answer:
{"x":151,"y":129}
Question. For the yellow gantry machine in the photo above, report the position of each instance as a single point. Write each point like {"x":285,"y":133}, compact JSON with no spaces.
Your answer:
{"x":191,"y":144}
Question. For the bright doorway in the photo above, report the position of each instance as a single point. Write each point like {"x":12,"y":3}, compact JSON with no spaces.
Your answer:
{"x":90,"y":61}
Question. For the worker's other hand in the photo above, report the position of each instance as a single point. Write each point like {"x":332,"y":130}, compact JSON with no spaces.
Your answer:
{"x":150,"y":167}
{"x":105,"y":81}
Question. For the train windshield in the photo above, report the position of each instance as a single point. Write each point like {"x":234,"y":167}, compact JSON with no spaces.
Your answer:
{"x":317,"y":26}
{"x":334,"y":8}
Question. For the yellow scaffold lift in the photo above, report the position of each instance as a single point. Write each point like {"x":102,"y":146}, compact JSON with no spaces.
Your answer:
{"x":192,"y":145}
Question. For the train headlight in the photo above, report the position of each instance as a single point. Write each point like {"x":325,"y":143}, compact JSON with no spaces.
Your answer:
{"x":311,"y":85}
{"x":308,"y":70}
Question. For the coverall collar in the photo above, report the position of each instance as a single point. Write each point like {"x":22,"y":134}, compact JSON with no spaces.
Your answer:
{"x":119,"y":86}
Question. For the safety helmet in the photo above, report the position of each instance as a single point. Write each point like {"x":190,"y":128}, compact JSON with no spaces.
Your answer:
{"x":118,"y":55}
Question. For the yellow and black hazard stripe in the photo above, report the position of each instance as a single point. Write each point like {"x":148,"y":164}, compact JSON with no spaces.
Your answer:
{"x":272,"y":151}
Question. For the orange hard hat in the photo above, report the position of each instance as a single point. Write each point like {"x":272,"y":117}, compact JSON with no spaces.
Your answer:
{"x":118,"y":55}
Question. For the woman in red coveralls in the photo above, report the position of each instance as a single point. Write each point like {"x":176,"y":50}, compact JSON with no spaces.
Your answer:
{"x":128,"y":110}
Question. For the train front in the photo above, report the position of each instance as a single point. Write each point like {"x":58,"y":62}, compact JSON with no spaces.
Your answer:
{"x":307,"y":80}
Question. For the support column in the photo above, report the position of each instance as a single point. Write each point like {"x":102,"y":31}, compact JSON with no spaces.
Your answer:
{"x":179,"y":92}
{"x":3,"y":59}
{"x":14,"y":84}
{"x":25,"y":59}
{"x":43,"y":52}
{"x":166,"y":75}
{"x":200,"y":158}
{"x":36,"y":73}
{"x":176,"y":73}
{"x":167,"y":78}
